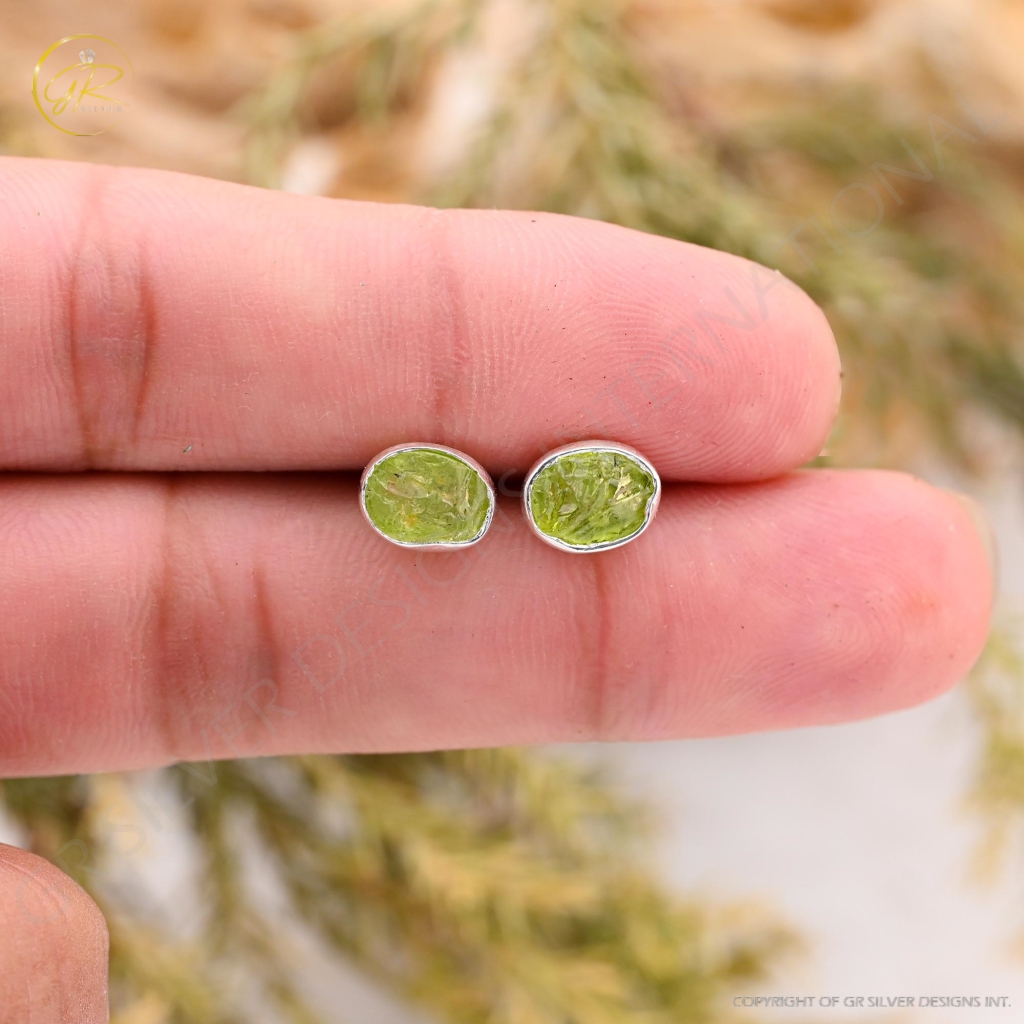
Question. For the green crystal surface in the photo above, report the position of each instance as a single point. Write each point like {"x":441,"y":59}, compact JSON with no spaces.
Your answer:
{"x":589,"y":498}
{"x":425,"y":496}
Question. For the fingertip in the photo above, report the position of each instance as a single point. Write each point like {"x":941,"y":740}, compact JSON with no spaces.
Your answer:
{"x":986,"y":533}
{"x":806,"y":420}
{"x":54,"y":948}
{"x":941,"y":586}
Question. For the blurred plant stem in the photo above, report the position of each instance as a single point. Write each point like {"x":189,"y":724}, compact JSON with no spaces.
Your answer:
{"x":998,"y":792}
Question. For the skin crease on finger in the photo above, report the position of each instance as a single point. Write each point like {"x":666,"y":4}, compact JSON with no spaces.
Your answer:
{"x":53,"y":946}
{"x":151,"y":619}
{"x":311,"y":333}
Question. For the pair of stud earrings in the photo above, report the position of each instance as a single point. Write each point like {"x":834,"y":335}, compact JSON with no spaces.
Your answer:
{"x":582,"y":497}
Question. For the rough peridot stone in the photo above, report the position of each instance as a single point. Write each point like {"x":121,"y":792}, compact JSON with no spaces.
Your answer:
{"x":425,"y":496}
{"x":586,"y":498}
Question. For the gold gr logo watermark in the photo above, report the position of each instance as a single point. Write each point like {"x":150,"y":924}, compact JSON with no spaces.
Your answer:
{"x":82,"y":84}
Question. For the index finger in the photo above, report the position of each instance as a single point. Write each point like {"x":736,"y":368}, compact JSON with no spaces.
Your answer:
{"x":153,"y":321}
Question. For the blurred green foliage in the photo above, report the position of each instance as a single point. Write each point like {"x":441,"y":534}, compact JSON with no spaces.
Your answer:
{"x":498,"y":886}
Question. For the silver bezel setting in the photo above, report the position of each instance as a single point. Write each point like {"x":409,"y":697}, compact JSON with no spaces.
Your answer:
{"x":590,"y":446}
{"x":437,"y":545}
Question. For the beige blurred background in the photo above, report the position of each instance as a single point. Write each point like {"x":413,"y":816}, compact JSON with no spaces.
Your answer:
{"x":196,"y":59}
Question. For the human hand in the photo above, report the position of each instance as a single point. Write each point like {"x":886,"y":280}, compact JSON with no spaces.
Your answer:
{"x":154,"y":325}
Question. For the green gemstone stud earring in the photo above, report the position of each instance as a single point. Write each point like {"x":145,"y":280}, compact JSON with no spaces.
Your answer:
{"x":591,"y":496}
{"x":427,"y":496}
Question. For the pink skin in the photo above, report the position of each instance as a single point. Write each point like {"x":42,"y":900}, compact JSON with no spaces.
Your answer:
{"x":147,"y":616}
{"x":143,"y":614}
{"x":144,"y":311}
{"x":53,"y":948}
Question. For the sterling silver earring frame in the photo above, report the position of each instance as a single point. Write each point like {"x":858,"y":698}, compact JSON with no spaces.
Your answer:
{"x":612,"y":447}
{"x":439,"y":545}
